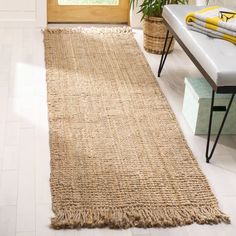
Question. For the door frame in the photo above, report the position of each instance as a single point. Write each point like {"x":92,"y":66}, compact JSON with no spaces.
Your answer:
{"x":41,"y":16}
{"x":41,"y":13}
{"x":57,"y":15}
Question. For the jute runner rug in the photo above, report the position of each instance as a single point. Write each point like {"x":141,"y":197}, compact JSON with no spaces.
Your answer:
{"x":118,"y":157}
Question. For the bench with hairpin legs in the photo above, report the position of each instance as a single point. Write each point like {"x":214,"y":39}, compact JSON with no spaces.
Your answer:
{"x":215,"y":59}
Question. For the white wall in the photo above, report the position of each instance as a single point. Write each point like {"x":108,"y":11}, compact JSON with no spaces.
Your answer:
{"x":23,"y":12}
{"x":135,"y":19}
{"x":227,"y":3}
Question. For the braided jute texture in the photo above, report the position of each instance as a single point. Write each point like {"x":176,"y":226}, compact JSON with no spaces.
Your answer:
{"x":118,"y":157}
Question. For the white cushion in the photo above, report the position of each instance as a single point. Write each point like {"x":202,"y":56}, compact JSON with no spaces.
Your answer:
{"x":216,"y":56}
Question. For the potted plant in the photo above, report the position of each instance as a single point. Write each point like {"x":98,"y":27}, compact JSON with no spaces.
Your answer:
{"x":154,"y":29}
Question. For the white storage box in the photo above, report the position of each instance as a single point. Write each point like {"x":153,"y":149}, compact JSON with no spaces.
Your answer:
{"x":197,"y":104}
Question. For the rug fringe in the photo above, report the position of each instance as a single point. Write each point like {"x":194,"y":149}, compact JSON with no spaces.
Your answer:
{"x":126,"y":218}
{"x":123,"y":29}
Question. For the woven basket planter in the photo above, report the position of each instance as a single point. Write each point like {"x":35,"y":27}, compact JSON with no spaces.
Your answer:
{"x":154,"y":31}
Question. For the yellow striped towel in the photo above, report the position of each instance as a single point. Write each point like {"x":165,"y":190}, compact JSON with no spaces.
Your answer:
{"x":209,"y":22}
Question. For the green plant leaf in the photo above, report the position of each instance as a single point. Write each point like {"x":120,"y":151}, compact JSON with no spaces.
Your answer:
{"x":154,"y":7}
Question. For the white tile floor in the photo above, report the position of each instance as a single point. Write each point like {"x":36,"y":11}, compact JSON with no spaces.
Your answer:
{"x":25,"y":203}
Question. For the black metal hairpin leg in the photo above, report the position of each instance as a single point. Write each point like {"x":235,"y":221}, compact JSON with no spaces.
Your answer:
{"x":216,"y":109}
{"x":164,"y":53}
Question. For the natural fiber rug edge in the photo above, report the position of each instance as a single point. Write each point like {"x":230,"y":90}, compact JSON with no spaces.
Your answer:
{"x":134,"y":217}
{"x":121,"y":218}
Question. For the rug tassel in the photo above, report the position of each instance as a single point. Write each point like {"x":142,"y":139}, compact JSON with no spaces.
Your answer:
{"x":125,"y":218}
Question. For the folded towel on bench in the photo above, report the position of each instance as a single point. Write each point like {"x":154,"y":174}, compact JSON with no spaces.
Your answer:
{"x":211,"y":22}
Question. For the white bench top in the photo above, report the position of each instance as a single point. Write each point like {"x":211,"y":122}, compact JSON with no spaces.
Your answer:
{"x":216,"y":56}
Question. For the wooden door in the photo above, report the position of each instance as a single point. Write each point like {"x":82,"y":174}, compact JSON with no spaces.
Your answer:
{"x":91,"y":11}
